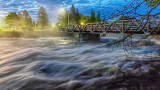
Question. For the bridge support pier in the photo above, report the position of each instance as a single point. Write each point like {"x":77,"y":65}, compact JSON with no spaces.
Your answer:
{"x":89,"y":37}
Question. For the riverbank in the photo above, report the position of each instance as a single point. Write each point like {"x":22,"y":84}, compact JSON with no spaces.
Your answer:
{"x":33,"y":34}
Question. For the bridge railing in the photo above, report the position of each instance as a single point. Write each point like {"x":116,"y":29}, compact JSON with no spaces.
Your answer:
{"x":123,"y":26}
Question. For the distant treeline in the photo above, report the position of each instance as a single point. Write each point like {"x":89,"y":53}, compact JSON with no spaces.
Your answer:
{"x":74,"y":17}
{"x":21,"y":24}
{"x":24,"y":21}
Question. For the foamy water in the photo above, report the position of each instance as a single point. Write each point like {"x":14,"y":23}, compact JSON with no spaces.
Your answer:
{"x":65,"y":64}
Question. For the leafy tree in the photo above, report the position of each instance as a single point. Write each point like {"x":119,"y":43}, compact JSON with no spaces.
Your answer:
{"x":77,"y":17}
{"x":20,"y":18}
{"x":98,"y":18}
{"x":43,"y":20}
{"x":27,"y":20}
{"x":84,"y":19}
{"x":63,"y":19}
{"x":73,"y":10}
{"x":92,"y":18}
{"x":20,"y":15}
{"x":74,"y":15}
{"x":12,"y":20}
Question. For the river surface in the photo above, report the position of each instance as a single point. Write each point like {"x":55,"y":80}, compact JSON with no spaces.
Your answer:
{"x":63,"y":63}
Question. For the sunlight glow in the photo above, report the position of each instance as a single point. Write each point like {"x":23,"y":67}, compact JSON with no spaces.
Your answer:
{"x":61,"y":10}
{"x":82,"y":23}
{"x":54,"y":26}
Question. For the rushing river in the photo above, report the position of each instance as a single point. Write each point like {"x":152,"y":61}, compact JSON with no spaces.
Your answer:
{"x":65,"y":64}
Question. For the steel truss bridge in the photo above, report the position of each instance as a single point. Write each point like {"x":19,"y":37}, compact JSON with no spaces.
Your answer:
{"x":123,"y":26}
{"x":93,"y":31}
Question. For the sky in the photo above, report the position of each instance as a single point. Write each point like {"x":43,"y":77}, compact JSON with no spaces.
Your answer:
{"x":53,"y":6}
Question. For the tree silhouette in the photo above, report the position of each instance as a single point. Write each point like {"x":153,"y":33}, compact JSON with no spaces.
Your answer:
{"x":92,"y":18}
{"x":43,"y":20}
{"x":84,"y":19}
{"x":63,"y":18}
{"x":27,"y":20}
{"x":74,"y":15}
{"x":98,"y":18}
{"x":12,"y":20}
{"x":77,"y":16}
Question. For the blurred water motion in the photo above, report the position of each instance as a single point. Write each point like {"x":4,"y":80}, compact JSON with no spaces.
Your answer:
{"x":65,"y":64}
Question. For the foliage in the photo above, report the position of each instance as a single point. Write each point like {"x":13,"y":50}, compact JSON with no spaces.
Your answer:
{"x":13,"y":20}
{"x":75,"y":18}
{"x":63,"y":18}
{"x":84,"y":19}
{"x":43,"y":20}
{"x":98,"y":18}
{"x":92,"y":18}
{"x":152,"y":2}
{"x":74,"y":15}
{"x":27,"y":20}
{"x":18,"y":20}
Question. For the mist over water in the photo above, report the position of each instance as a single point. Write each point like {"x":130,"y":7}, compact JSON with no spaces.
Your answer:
{"x":65,"y":64}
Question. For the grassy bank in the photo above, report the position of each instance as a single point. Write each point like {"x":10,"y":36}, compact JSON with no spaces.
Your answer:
{"x":33,"y":34}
